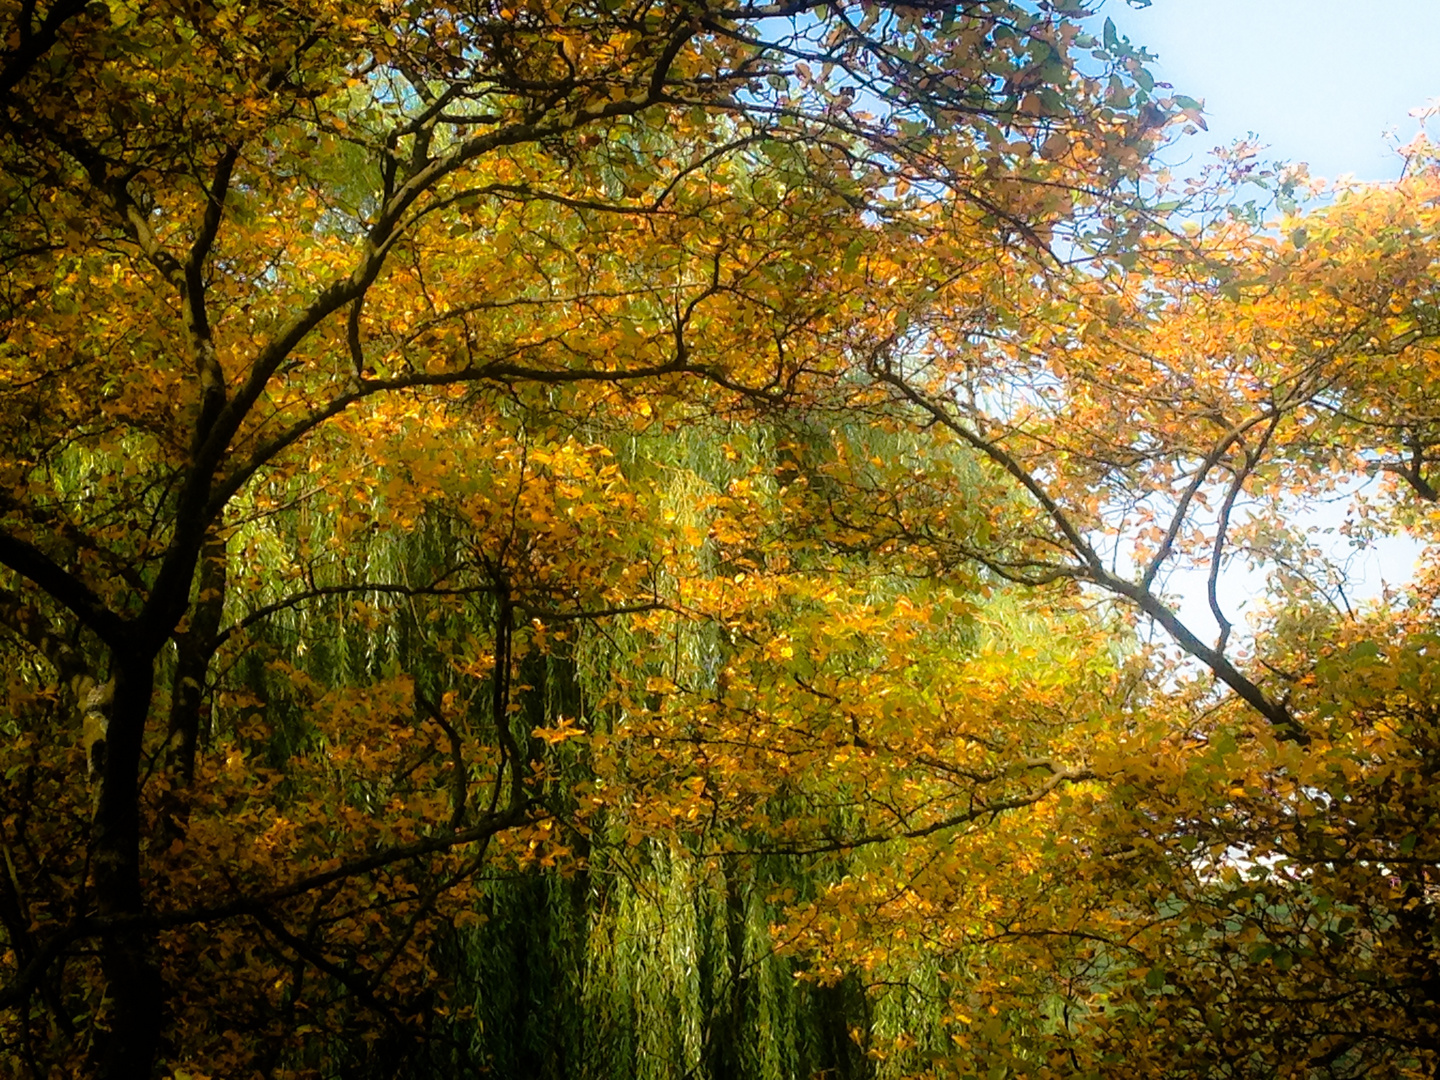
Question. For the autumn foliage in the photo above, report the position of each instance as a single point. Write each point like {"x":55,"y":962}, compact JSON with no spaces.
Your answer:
{"x":623,"y":540}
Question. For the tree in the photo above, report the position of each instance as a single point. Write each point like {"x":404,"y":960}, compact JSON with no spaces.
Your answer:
{"x":1253,"y":892}
{"x":307,"y":308}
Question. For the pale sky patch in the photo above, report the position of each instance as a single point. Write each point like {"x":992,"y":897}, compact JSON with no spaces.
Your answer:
{"x":1320,"y":81}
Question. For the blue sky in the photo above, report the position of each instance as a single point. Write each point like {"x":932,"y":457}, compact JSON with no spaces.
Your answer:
{"x":1318,"y":80}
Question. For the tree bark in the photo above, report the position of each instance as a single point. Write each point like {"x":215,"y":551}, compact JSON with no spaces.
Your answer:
{"x":193,"y":652}
{"x":134,"y":989}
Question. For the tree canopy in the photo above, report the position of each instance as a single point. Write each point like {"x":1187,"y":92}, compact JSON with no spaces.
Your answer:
{"x":606,"y":539}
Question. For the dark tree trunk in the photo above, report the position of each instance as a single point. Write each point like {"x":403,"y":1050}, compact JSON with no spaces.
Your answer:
{"x":134,"y":990}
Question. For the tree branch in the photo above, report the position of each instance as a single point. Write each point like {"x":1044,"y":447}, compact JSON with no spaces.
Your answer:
{"x":1137,"y":593}
{"x":32,"y":43}
{"x":1177,"y":521}
{"x":1058,"y":776}
{"x":25,"y":981}
{"x":30,"y":562}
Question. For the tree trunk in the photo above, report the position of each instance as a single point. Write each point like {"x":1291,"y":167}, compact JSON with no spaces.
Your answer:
{"x":133,"y":984}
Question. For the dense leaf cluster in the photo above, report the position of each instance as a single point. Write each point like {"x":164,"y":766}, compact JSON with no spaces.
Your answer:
{"x":628,"y":539}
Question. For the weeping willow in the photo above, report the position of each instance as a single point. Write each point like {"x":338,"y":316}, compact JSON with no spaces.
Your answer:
{"x":644,"y":951}
{"x":654,"y":951}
